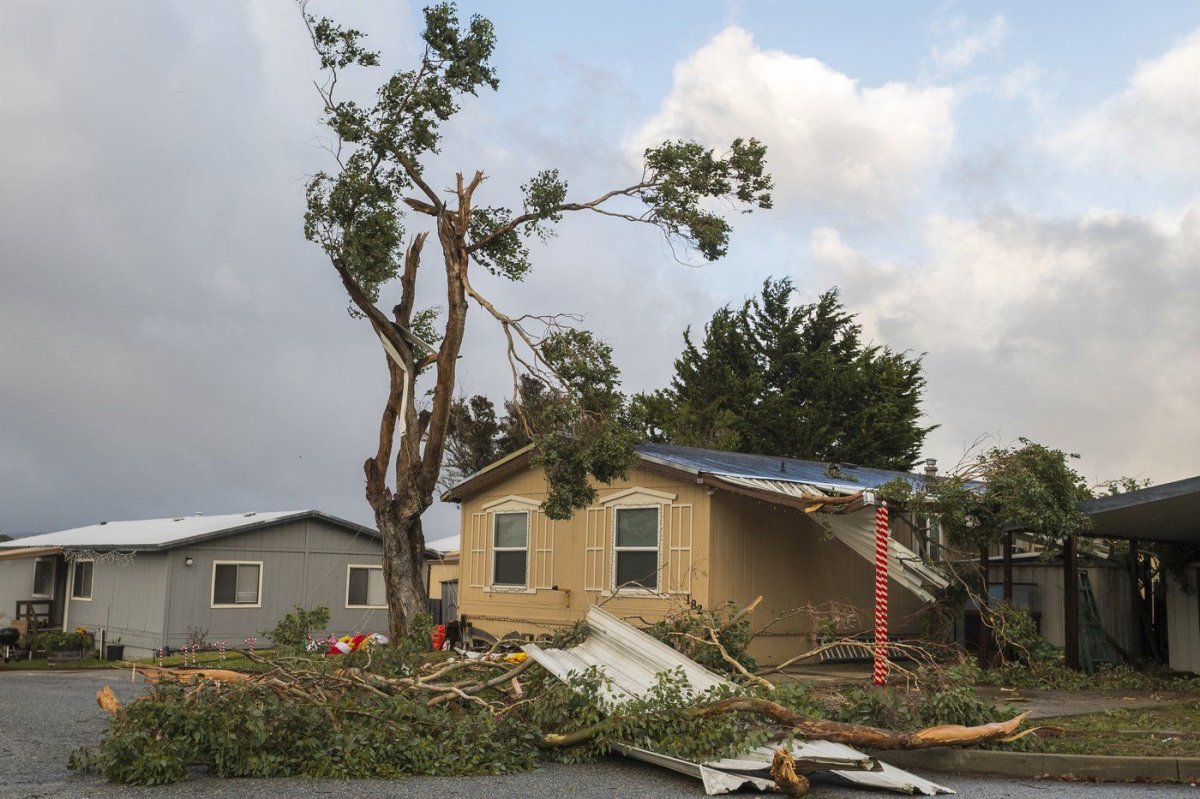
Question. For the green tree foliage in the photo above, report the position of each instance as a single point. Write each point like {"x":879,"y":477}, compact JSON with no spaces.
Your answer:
{"x":295,"y":629}
{"x":1029,"y":488}
{"x":390,"y":191}
{"x":776,"y":378}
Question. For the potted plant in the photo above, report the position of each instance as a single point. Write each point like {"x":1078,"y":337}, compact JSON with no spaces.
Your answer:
{"x":62,"y":647}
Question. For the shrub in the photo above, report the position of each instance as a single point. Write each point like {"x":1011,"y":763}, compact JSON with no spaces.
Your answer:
{"x":294,"y":629}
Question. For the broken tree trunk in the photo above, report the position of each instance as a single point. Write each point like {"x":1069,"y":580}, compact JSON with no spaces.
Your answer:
{"x":860,"y":735}
{"x":783,"y":771}
{"x":820,"y":729}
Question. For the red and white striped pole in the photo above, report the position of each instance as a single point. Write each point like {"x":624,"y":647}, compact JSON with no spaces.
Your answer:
{"x":881,"y":593}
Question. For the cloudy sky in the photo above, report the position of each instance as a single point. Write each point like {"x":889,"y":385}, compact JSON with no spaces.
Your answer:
{"x":1014,"y":190}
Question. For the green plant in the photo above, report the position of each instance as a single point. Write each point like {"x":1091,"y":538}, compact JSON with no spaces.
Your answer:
{"x":691,"y":630}
{"x":294,"y":630}
{"x":59,"y":641}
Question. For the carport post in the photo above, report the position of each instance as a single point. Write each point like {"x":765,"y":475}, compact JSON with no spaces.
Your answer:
{"x":1071,"y":602}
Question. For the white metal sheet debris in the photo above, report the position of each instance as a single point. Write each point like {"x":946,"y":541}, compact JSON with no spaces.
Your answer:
{"x":857,"y":531}
{"x":631,"y":660}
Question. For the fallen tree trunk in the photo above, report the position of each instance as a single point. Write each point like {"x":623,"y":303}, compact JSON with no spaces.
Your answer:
{"x":861,"y":735}
{"x":153,"y":674}
{"x":820,"y":729}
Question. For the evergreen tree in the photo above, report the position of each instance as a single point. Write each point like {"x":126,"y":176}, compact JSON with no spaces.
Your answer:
{"x":775,"y":378}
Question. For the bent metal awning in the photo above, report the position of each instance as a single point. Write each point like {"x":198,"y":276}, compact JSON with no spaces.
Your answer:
{"x":848,"y":518}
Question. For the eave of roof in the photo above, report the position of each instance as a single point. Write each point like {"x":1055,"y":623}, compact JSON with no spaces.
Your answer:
{"x":488,"y":475}
{"x":1167,"y":513}
{"x":78,"y":538}
{"x":709,"y":467}
{"x":28,"y":552}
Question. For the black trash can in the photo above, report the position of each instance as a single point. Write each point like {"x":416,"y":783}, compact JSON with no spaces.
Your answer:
{"x":114,"y":651}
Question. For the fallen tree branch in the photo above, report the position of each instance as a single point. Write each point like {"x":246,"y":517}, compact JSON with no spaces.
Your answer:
{"x":860,"y":735}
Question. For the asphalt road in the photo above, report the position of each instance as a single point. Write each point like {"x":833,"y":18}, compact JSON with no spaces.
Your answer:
{"x":47,"y":715}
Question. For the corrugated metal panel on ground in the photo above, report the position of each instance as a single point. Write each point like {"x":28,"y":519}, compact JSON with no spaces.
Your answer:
{"x":631,"y":660}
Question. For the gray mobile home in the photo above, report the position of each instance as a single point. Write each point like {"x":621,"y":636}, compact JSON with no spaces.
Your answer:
{"x":150,"y":583}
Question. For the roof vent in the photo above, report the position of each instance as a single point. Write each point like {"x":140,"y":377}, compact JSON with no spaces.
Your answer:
{"x":251,"y":513}
{"x":177,"y":519}
{"x":198,"y":513}
{"x":783,"y":466}
{"x":104,"y":522}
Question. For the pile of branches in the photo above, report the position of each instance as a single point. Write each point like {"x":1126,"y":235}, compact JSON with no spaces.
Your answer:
{"x":315,"y":717}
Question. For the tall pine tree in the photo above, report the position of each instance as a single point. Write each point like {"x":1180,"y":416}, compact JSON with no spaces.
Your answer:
{"x":775,"y":378}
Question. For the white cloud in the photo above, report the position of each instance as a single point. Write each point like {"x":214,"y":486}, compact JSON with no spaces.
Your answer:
{"x":969,"y":46}
{"x":1153,"y":124}
{"x":831,"y":142}
{"x":1079,"y":332}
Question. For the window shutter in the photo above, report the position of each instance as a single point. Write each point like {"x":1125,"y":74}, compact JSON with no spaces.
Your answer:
{"x":678,"y":543}
{"x":478,"y":566}
{"x":542,"y":542}
{"x":595,"y":554}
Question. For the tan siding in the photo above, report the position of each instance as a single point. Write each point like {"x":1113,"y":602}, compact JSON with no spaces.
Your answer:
{"x":573,"y":555}
{"x":1183,"y":624}
{"x":1110,"y":584}
{"x":441,"y":571}
{"x":787,"y":557}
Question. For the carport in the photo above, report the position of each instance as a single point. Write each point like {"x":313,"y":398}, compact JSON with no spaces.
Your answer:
{"x":1167,"y":513}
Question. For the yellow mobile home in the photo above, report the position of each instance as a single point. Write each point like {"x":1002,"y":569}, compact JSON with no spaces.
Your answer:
{"x":687,"y":525}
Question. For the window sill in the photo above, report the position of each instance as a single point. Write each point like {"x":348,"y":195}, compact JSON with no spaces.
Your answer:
{"x":640,"y":593}
{"x":81,"y":599}
{"x":509,"y":589}
{"x":366,"y":607}
{"x":225,"y":607}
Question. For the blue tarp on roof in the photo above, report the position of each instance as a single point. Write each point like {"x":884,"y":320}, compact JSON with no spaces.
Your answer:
{"x":773,"y":467}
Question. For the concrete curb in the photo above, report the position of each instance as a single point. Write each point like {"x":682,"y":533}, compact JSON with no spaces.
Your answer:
{"x":1034,"y":764}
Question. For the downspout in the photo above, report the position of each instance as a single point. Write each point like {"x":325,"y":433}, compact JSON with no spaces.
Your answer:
{"x":67,"y":594}
{"x":166,"y":623}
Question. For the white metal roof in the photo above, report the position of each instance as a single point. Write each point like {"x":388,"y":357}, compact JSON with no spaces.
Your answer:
{"x":157,"y":533}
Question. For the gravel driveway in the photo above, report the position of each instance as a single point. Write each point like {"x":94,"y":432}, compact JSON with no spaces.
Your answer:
{"x":46,"y":715}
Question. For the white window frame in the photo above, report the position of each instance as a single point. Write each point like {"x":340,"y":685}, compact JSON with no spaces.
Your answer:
{"x":53,"y":578}
{"x":630,"y":590}
{"x":75,"y":582}
{"x":510,"y":587}
{"x":212,"y":585}
{"x":350,"y":567}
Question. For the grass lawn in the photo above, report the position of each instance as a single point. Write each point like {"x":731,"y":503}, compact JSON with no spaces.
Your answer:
{"x":1172,"y":730}
{"x":41,"y":664}
{"x":234,"y":660}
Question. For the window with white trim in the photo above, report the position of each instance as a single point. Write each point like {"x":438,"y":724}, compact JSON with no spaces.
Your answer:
{"x":635,"y":548}
{"x":43,"y":577}
{"x":237,"y":584}
{"x":510,"y":549}
{"x":364,"y":587}
{"x":81,"y":581}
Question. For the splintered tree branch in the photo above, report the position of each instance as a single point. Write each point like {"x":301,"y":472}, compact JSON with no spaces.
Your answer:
{"x":860,"y":735}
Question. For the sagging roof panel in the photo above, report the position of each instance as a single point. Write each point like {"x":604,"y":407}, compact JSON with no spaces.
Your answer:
{"x":772,"y":467}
